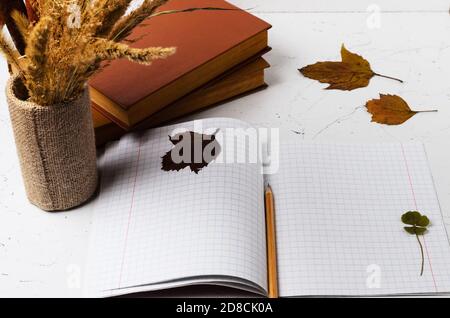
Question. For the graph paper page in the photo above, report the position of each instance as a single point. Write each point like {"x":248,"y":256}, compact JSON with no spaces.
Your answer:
{"x":157,"y":228}
{"x":338,"y":210}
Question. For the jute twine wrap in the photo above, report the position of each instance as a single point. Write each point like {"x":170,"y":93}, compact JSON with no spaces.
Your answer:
{"x":56,"y":148}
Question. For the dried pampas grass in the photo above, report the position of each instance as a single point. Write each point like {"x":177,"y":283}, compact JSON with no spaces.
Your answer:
{"x":67,"y":41}
{"x":60,"y":44}
{"x":9,"y":52}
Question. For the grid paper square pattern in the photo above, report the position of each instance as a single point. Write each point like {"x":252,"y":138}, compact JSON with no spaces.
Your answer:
{"x":158,"y":228}
{"x":339,"y":232}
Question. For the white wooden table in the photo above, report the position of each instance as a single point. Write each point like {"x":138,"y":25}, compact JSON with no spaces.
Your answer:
{"x":43,"y":254}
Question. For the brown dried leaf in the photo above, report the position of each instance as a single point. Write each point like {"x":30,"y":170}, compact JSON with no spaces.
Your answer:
{"x":391,"y":110}
{"x":192,"y":150}
{"x":351,"y":73}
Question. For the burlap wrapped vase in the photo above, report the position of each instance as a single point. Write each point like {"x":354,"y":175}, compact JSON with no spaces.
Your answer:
{"x":56,"y":149}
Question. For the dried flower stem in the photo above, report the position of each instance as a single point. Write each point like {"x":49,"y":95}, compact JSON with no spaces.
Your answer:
{"x":104,"y":14}
{"x":108,"y":50}
{"x":22,"y":23}
{"x":126,"y":24}
{"x":7,"y":7}
{"x":9,"y":52}
{"x":36,"y":53}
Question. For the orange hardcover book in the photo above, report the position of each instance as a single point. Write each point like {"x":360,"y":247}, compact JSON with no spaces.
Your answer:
{"x":244,"y":80}
{"x":208,"y":43}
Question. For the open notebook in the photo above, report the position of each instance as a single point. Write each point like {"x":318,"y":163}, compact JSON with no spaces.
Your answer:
{"x":338,"y":227}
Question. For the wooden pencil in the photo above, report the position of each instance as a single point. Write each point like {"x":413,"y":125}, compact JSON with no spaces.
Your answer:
{"x":271,"y":244}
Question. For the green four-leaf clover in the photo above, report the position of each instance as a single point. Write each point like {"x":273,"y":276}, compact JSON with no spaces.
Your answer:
{"x":418,"y":226}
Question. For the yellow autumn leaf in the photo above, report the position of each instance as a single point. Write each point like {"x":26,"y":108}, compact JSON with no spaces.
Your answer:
{"x":391,"y":110}
{"x":352,"y":72}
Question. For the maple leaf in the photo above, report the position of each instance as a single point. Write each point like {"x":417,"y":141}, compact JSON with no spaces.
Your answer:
{"x":391,"y":110}
{"x":192,"y":150}
{"x":352,"y":72}
{"x":419,"y":224}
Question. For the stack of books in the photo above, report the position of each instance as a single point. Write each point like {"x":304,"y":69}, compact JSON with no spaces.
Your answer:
{"x":218,"y":58}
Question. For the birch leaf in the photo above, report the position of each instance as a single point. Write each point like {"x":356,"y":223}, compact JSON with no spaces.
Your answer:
{"x":391,"y":110}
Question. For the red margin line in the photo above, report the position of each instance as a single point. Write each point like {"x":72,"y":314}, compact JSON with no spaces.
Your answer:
{"x":415,"y":204}
{"x":129,"y":214}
